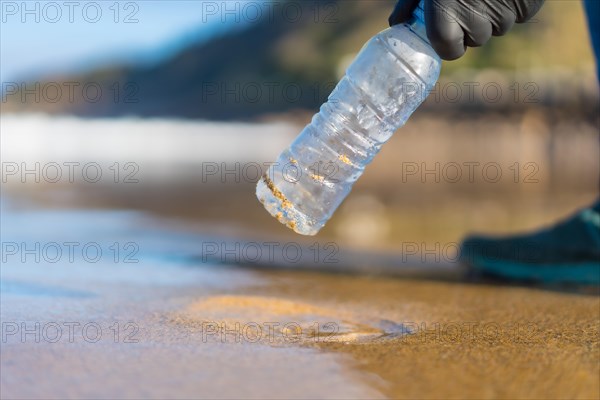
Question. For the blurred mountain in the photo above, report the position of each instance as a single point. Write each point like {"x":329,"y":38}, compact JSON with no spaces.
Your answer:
{"x":289,"y":60}
{"x":286,"y":60}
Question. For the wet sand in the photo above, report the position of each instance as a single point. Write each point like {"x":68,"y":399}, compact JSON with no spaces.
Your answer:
{"x":173,"y":325}
{"x":468,"y":340}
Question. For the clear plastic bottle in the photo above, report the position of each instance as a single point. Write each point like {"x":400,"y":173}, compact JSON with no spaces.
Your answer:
{"x":391,"y":76}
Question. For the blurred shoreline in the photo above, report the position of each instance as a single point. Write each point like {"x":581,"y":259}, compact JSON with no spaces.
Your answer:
{"x":434,"y":181}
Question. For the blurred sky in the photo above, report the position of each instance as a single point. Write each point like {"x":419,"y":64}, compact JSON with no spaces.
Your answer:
{"x":43,"y":36}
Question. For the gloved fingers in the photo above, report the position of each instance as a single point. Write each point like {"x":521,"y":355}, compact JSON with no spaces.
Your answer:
{"x":444,"y":30}
{"x":526,"y":9}
{"x":477,"y":31}
{"x":503,"y":24}
{"x":403,"y":11}
{"x":452,"y":25}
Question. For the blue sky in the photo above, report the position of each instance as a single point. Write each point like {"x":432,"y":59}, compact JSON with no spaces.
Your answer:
{"x":63,"y":35}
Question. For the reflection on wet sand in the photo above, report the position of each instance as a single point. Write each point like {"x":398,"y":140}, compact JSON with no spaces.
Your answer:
{"x":279,"y":321}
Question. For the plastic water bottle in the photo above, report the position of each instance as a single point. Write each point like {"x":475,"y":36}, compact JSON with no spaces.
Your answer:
{"x":391,"y":76}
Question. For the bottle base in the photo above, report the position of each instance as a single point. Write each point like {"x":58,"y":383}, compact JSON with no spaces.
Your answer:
{"x":283,"y":210}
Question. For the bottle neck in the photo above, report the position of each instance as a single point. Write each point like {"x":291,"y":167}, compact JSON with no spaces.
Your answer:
{"x":417,"y":22}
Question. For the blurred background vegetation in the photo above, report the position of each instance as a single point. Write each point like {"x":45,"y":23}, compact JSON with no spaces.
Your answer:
{"x":313,"y":52}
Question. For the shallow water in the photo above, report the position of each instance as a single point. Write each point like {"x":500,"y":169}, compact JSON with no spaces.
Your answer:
{"x":111,"y":328}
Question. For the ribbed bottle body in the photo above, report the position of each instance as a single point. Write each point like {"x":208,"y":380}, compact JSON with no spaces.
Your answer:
{"x":391,"y":76}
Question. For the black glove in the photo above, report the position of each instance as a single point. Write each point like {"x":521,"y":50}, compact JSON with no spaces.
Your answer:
{"x":452,"y":25}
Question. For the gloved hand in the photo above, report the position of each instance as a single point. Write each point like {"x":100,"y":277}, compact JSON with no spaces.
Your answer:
{"x":452,"y":25}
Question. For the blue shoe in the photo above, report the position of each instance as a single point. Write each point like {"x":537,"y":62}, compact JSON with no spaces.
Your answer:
{"x":568,"y":252}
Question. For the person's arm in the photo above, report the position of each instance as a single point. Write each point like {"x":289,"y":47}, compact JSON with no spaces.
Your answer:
{"x":454,"y":25}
